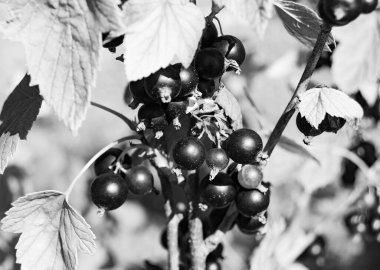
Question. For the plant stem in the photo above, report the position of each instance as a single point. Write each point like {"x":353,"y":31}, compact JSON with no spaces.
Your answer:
{"x":302,"y":86}
{"x":128,"y":121}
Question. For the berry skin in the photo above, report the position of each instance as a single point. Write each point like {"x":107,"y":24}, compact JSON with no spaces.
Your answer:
{"x":140,"y":180}
{"x":369,"y":5}
{"x":164,"y":85}
{"x":138,"y":92}
{"x":189,"y":80}
{"x":231,"y":47}
{"x":210,"y":33}
{"x":189,"y":153}
{"x":209,"y":63}
{"x":339,"y":12}
{"x":250,"y":225}
{"x":332,"y":123}
{"x":105,"y":161}
{"x":206,"y":87}
{"x":243,"y":145}
{"x":220,"y":192}
{"x":174,"y":110}
{"x":148,"y":112}
{"x":250,"y":176}
{"x":216,"y":158}
{"x":251,"y":202}
{"x":304,"y":126}
{"x":109,"y":191}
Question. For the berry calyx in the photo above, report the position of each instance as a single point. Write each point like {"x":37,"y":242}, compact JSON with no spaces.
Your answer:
{"x":106,"y":161}
{"x":109,"y":191}
{"x":251,"y":225}
{"x":210,"y":33}
{"x":189,"y":80}
{"x":250,"y":176}
{"x":217,"y":160}
{"x":339,"y":12}
{"x":189,"y":153}
{"x":140,"y":180}
{"x":243,"y":145}
{"x":231,"y":47}
{"x":369,"y":5}
{"x":251,"y":202}
{"x":209,"y":63}
{"x":220,"y":192}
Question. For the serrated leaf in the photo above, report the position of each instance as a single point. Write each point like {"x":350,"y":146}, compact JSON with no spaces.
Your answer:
{"x":231,"y":107}
{"x":62,"y":40}
{"x":52,"y":232}
{"x":356,"y":61}
{"x":19,"y":112}
{"x":301,"y":22}
{"x":316,"y":102}
{"x":296,"y":148}
{"x":160,"y":33}
{"x":256,"y":13}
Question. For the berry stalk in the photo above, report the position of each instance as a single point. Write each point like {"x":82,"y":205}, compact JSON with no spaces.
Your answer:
{"x":301,"y":87}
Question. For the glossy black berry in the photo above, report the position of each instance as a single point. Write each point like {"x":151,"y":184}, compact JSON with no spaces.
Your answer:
{"x":140,"y":180}
{"x":369,"y":5}
{"x":250,"y":176}
{"x":243,"y":145}
{"x":332,"y":123}
{"x":138,"y":92}
{"x":206,"y":87}
{"x":164,"y":85}
{"x":150,"y":111}
{"x":189,"y":153}
{"x":348,"y":176}
{"x":231,"y":47}
{"x":209,"y":63}
{"x":216,"y":158}
{"x":220,"y":192}
{"x":366,"y":151}
{"x":250,"y":225}
{"x":174,"y":110}
{"x":106,"y":161}
{"x":109,"y":191}
{"x":339,"y":12}
{"x":304,"y":126}
{"x":253,"y":201}
{"x":210,"y":33}
{"x":189,"y":80}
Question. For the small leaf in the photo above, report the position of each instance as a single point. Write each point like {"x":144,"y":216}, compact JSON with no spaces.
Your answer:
{"x":19,"y":112}
{"x":294,"y":147}
{"x":62,"y":41}
{"x":51,"y":231}
{"x":356,"y":61}
{"x":301,"y":22}
{"x":160,"y":33}
{"x":256,"y":13}
{"x":231,"y":107}
{"x":316,"y":102}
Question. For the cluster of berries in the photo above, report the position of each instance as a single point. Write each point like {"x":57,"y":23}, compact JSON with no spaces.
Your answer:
{"x":115,"y":176}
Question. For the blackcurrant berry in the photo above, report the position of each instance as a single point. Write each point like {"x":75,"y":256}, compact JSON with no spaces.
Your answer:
{"x":206,"y":87}
{"x":339,"y":12}
{"x":220,"y":192}
{"x":369,"y":5}
{"x":104,"y":163}
{"x":210,"y":33}
{"x":250,"y":225}
{"x":216,"y":158}
{"x":231,"y":47}
{"x":189,"y":80}
{"x":304,"y":126}
{"x":253,"y":201}
{"x":140,"y":180}
{"x":209,"y":63}
{"x":189,"y":153}
{"x":332,"y":123}
{"x":164,"y":85}
{"x":250,"y":176}
{"x":138,"y":92}
{"x":109,"y":191}
{"x":243,"y":145}
{"x":174,"y":110}
{"x":349,"y":173}
{"x":366,"y":151}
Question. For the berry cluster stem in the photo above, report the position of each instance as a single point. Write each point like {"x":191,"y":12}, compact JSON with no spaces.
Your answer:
{"x":301,"y":87}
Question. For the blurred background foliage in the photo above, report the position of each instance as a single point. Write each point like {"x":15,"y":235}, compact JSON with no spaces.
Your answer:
{"x":302,"y":189}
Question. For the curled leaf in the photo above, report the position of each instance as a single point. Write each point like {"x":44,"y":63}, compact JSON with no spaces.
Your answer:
{"x":231,"y":107}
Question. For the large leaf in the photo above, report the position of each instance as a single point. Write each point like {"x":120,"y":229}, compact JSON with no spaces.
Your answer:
{"x":160,"y":33}
{"x":19,"y":112}
{"x":52,"y":232}
{"x":356,"y":61}
{"x":62,"y":39}
{"x":231,"y":107}
{"x":301,"y":22}
{"x":316,"y":102}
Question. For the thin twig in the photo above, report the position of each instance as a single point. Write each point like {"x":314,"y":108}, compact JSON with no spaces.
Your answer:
{"x":128,"y":121}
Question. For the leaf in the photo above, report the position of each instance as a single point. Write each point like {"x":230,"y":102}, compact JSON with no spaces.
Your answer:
{"x":231,"y":107}
{"x":19,"y":112}
{"x":160,"y":33}
{"x":51,"y":231}
{"x":294,"y":147}
{"x":356,"y":61}
{"x":256,"y":13}
{"x":316,"y":102}
{"x":301,"y":22}
{"x":62,"y":40}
